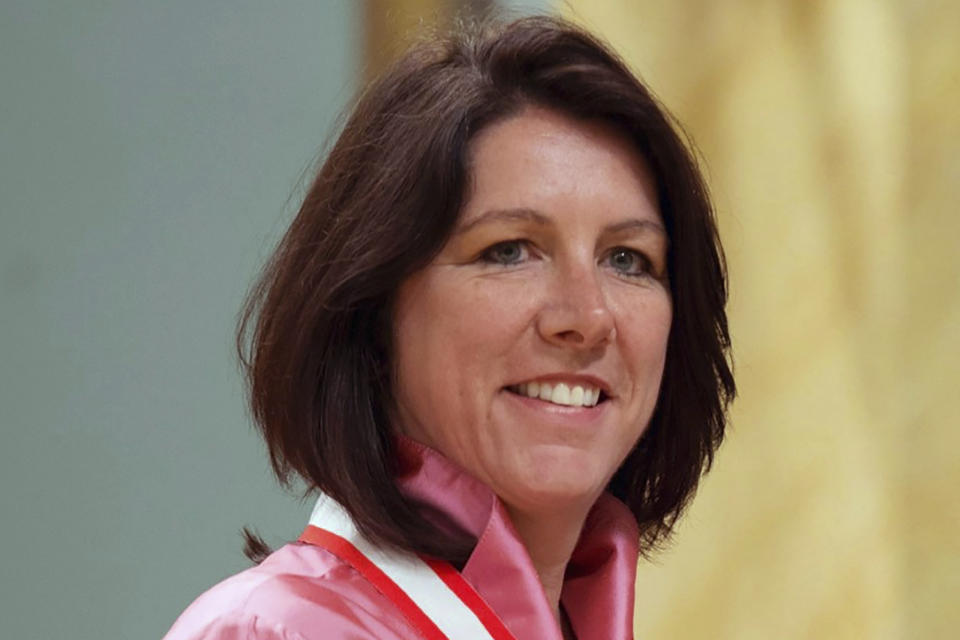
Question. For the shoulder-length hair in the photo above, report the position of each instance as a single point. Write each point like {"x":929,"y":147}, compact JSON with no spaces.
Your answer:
{"x":314,"y":337}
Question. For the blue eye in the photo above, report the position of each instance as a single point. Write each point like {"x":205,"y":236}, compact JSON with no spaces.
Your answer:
{"x":629,"y":262}
{"x":506,"y":253}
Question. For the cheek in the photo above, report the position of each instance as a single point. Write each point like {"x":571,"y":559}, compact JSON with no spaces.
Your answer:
{"x":452,"y":339}
{"x":477,"y":335}
{"x":645,"y":336}
{"x":479,"y":311}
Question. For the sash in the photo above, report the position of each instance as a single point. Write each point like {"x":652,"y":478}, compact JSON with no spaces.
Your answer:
{"x":430,"y":593}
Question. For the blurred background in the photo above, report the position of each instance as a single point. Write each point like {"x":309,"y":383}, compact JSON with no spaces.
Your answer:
{"x":152,"y":153}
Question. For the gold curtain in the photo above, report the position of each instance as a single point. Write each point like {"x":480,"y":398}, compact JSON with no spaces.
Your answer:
{"x":389,"y":26}
{"x":830,"y":132}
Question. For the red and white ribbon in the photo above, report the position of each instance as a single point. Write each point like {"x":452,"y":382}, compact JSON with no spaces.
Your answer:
{"x":432,"y":594}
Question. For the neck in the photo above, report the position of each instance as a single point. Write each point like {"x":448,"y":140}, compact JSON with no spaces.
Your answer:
{"x":550,"y":540}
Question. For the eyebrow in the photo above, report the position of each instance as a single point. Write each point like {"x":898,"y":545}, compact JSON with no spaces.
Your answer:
{"x":636,"y":224}
{"x":504,"y":215}
{"x":534,"y":216}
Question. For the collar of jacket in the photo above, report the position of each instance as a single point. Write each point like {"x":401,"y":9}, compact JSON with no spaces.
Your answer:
{"x":598,"y":590}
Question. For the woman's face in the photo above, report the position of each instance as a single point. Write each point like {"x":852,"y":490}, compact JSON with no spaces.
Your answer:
{"x":551,"y":291}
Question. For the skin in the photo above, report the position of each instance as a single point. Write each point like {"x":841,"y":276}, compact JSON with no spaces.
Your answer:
{"x":556,"y":271}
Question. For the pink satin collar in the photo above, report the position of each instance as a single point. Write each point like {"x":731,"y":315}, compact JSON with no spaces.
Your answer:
{"x":598,"y":589}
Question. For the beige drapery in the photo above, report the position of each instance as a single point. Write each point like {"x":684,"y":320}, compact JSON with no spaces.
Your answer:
{"x":830,"y":133}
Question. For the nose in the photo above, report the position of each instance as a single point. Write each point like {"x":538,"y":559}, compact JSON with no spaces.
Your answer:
{"x":576,"y":314}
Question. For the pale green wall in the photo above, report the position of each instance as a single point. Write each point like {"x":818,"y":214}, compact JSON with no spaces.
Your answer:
{"x":147,"y":152}
{"x":528,"y":6}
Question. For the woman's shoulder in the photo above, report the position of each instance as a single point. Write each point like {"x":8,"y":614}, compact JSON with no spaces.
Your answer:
{"x":299,"y":592}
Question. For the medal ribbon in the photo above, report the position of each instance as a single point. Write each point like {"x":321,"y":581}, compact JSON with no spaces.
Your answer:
{"x":430,"y":593}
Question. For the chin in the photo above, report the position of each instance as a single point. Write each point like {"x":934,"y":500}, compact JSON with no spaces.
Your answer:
{"x":559,"y":484}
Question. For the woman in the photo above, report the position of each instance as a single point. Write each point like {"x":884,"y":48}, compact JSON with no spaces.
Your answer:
{"x":494,"y":341}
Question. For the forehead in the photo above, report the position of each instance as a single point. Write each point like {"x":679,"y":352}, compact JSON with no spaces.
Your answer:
{"x":543,"y":158}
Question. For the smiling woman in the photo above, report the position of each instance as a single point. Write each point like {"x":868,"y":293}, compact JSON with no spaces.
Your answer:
{"x":493,"y":341}
{"x":548,"y":329}
{"x":569,"y":299}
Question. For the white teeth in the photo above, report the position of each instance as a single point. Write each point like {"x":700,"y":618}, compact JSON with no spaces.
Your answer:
{"x":562,"y":394}
{"x":576,"y":396}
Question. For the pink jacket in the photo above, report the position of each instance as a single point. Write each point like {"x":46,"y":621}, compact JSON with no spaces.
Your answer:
{"x":303,"y":592}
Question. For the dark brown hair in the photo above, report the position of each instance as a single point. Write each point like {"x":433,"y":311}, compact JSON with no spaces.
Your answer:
{"x":314,"y":337}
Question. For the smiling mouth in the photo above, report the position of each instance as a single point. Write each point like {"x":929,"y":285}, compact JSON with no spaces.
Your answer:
{"x":561,"y":394}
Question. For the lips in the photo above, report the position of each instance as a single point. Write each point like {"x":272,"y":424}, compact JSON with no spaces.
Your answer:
{"x":567,"y":394}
